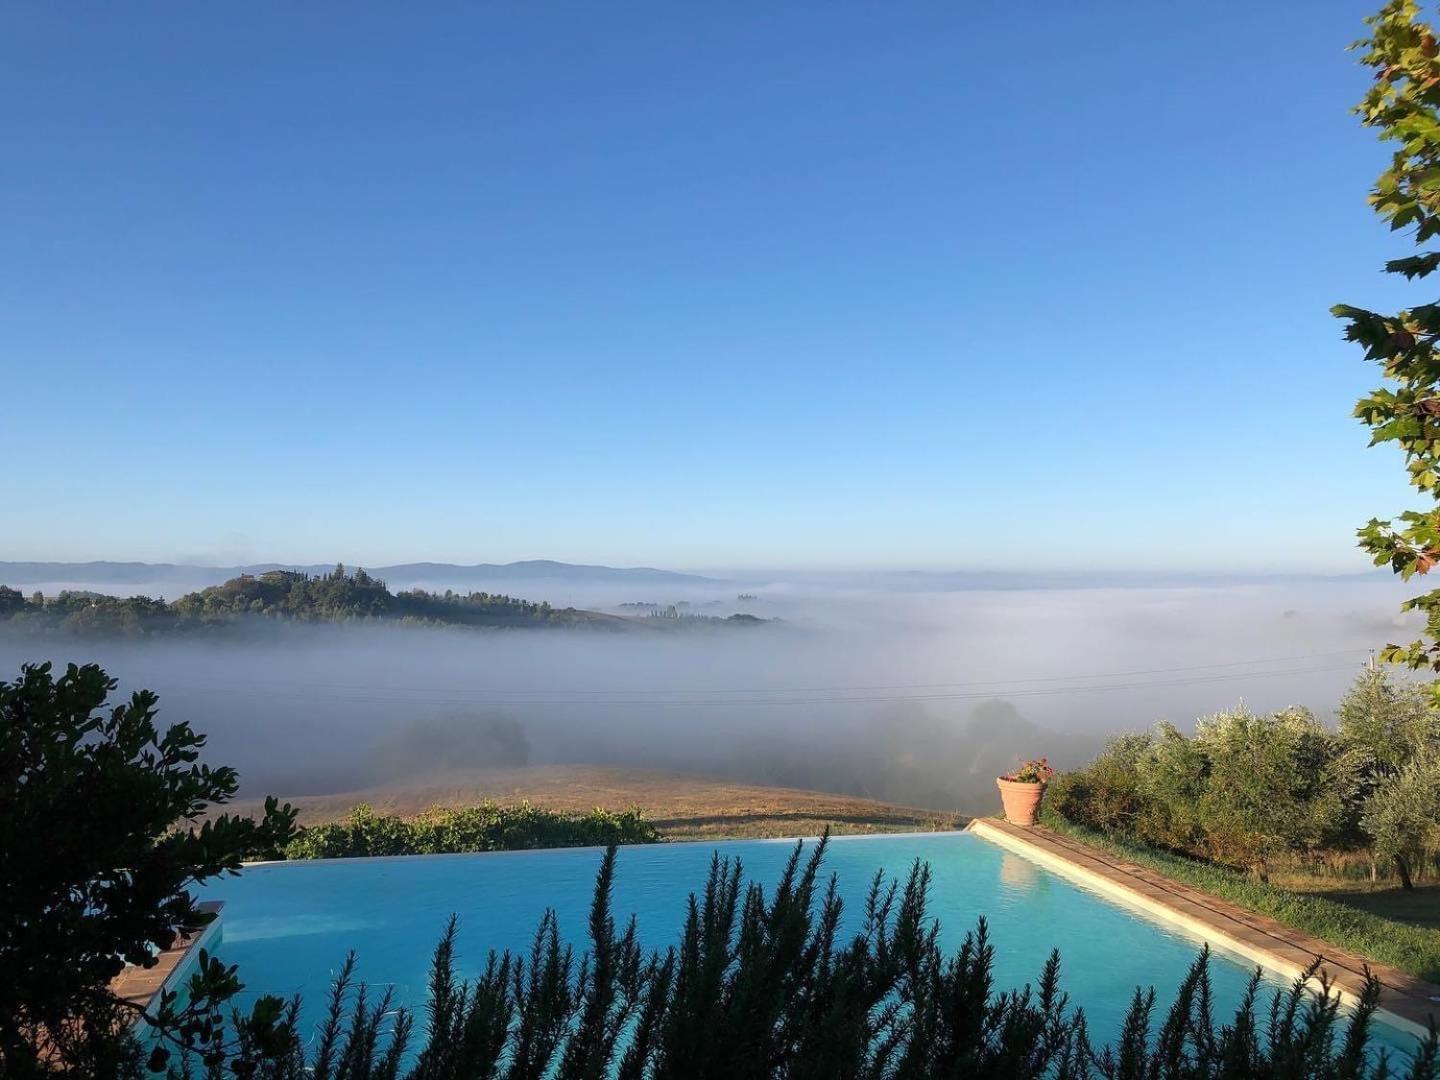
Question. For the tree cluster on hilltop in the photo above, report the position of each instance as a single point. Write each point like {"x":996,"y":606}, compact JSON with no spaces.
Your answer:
{"x":293,"y":596}
{"x":84,"y":613}
{"x":338,"y":596}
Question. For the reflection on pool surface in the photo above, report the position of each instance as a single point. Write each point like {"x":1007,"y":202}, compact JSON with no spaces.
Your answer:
{"x":289,"y":925}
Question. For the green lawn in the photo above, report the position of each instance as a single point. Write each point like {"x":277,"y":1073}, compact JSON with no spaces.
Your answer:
{"x":1354,"y":920}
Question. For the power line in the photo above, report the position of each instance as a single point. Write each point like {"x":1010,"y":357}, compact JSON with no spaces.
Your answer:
{"x":691,"y":699}
{"x":1021,"y":681}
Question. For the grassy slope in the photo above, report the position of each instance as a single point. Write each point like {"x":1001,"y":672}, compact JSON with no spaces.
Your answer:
{"x":1412,"y":949}
{"x":683,"y":806}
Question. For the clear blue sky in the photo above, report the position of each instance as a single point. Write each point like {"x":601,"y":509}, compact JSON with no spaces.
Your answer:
{"x":701,"y":285}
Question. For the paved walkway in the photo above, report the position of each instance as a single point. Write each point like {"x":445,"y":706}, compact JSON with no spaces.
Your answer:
{"x":140,"y":986}
{"x":1269,"y":943}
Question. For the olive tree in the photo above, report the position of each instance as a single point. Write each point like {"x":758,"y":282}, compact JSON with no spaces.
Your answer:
{"x":1402,"y":817}
{"x":1390,"y":732}
{"x":1385,"y":722}
{"x":1274,"y":785}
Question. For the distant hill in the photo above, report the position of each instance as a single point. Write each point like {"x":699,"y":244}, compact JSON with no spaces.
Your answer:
{"x":399,"y":576}
{"x":535,"y":570}
{"x":291,"y":596}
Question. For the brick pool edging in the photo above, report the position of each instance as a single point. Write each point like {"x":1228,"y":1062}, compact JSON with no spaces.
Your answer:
{"x":140,"y":986}
{"x":1405,"y":1001}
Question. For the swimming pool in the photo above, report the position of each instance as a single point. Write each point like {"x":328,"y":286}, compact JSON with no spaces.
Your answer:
{"x":289,"y":925}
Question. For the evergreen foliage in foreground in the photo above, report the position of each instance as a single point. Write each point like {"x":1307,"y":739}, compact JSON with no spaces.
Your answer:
{"x":763,"y":986}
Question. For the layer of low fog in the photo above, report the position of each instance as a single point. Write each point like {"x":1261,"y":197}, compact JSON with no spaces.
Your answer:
{"x":892,"y":692}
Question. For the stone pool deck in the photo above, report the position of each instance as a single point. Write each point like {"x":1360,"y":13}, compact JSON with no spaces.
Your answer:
{"x":140,"y":986}
{"x":1411,"y":1002}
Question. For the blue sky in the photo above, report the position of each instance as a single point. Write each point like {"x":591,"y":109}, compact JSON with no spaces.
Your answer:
{"x":720,"y":285}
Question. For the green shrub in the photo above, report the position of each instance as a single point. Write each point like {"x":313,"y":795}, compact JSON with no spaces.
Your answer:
{"x":1107,"y":794}
{"x":1245,"y":790}
{"x":487,"y":827}
{"x":1260,"y":792}
{"x":1268,"y":786}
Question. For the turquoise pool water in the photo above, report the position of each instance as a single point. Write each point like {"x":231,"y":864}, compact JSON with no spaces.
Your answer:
{"x":289,"y":925}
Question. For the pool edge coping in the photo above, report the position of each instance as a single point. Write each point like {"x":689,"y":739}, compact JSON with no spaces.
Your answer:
{"x":1202,"y":921}
{"x":142,"y":986}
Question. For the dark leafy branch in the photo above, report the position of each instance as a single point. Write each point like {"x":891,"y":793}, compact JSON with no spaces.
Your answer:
{"x":1403,"y":105}
{"x":101,"y":845}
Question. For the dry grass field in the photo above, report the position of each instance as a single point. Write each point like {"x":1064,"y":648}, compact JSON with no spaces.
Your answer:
{"x":683,"y":806}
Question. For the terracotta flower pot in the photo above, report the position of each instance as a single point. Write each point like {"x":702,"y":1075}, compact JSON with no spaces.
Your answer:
{"x":1022,"y":801}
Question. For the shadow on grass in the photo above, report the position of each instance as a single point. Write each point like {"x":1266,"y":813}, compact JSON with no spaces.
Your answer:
{"x":1419,"y":907}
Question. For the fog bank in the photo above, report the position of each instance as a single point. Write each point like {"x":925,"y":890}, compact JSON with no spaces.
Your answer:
{"x":907,"y":695}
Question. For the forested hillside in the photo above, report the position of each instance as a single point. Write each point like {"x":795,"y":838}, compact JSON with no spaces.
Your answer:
{"x":338,"y":596}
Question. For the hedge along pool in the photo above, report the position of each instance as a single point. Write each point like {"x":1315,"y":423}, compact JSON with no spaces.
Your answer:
{"x":289,"y":925}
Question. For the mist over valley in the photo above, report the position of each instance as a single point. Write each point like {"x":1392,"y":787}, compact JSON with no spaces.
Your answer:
{"x":909,"y":688}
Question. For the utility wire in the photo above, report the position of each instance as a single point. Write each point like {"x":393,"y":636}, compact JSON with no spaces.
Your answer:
{"x":1023,"y":680}
{"x":679,"y":698}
